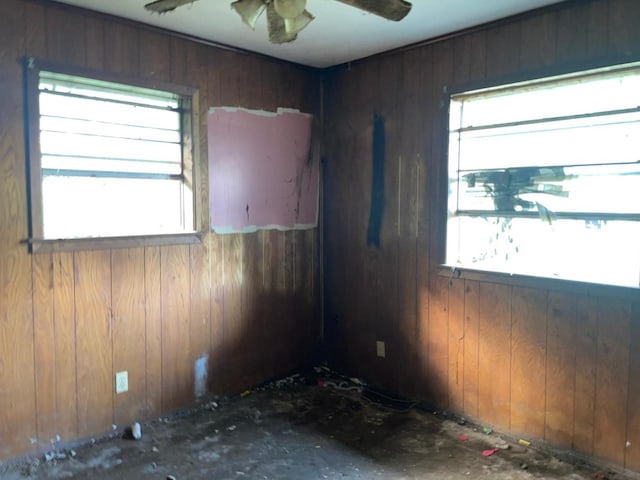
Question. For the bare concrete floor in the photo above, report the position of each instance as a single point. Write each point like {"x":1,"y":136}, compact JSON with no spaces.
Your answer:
{"x":304,"y":432}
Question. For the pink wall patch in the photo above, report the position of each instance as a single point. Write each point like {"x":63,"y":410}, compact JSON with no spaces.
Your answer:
{"x":262,"y":172}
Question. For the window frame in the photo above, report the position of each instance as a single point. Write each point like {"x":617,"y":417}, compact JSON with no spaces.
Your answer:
{"x":441,"y":268}
{"x":190,"y":159}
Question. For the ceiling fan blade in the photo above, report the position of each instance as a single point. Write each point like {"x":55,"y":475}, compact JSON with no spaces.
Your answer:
{"x":249,"y":10}
{"x":164,"y":6}
{"x":394,"y":10}
{"x":295,"y":25}
{"x":275,"y":25}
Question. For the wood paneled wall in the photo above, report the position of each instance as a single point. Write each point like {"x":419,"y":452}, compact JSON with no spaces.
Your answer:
{"x":69,"y":321}
{"x":540,"y":362}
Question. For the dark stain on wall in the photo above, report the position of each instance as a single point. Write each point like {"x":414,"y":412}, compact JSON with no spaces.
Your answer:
{"x":377,"y":182}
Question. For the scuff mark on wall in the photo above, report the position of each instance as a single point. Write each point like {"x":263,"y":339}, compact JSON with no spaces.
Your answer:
{"x":200,"y":376}
{"x":376,"y":212}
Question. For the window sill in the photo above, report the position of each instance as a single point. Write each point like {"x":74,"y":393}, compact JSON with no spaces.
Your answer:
{"x":99,"y":243}
{"x":555,"y":284}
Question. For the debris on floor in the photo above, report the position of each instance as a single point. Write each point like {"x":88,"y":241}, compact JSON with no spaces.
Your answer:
{"x":315,"y":426}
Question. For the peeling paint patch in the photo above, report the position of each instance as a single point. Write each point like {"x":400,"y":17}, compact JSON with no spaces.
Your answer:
{"x":264,"y":173}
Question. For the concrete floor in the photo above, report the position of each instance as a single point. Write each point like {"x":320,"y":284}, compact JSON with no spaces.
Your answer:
{"x":294,"y":430}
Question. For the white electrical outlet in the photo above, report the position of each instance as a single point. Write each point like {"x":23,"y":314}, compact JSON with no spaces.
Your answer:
{"x":122,"y":382}
{"x":380,"y":350}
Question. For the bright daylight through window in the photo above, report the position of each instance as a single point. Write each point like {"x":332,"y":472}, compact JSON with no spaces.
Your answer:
{"x":114,"y":160}
{"x":544,"y":178}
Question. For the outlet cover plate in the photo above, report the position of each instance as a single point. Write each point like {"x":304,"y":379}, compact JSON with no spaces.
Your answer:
{"x":380,"y":349}
{"x":122,"y":382}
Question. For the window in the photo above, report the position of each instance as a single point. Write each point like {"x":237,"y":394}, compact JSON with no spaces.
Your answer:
{"x":544,"y":178}
{"x":108,"y":159}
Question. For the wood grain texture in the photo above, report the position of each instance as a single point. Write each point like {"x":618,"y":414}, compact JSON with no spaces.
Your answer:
{"x":439,"y":340}
{"x":519,"y":374}
{"x":407,"y":271}
{"x":232,"y":282}
{"x":17,"y":371}
{"x":121,"y":50}
{"x":65,"y":345}
{"x":216,"y":330}
{"x":177,"y":370}
{"x":66,"y":37}
{"x":97,"y":48}
{"x":624,"y":37}
{"x":586,"y":339}
{"x":153,"y":331}
{"x":456,"y":345}
{"x":471,"y":345}
{"x":200,"y":300}
{"x":598,"y":29}
{"x":528,"y":361}
{"x":44,"y":344}
{"x":538,"y":41}
{"x":95,"y":380}
{"x":561,"y":365}
{"x":503,"y":49}
{"x":409,"y":93}
{"x":150,"y":310}
{"x":612,"y":379}
{"x":494,"y":375}
{"x":632,"y":452}
{"x":128,"y":298}
{"x":571,"y":43}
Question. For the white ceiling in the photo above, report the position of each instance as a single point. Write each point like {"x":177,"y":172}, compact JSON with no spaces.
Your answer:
{"x":338,"y":34}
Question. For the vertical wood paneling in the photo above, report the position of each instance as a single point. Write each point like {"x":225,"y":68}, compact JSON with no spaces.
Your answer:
{"x":82,"y":316}
{"x":538,"y":41}
{"x":254,"y":331}
{"x":407,"y":261}
{"x":65,"y":348}
{"x":500,"y":328}
{"x":153,"y":330}
{"x":561,"y":357}
{"x":537,"y":362}
{"x":97,"y":48}
{"x":503,"y":49}
{"x":216,"y":330}
{"x":612,"y":379}
{"x":121,"y":49}
{"x":45,"y":346}
{"x":571,"y":43}
{"x":471,"y":344}
{"x":17,"y":381}
{"x":66,"y":37}
{"x":586,"y":335}
{"x":528,"y":352}
{"x":624,"y":36}
{"x":94,"y":341}
{"x":494,"y":376}
{"x":177,"y":372}
{"x":232,"y":264}
{"x":200,"y":290}
{"x":129,"y":331}
{"x":598,"y":29}
{"x":456,"y":345}
{"x":438,"y":340}
{"x":632,"y":452}
{"x":274,"y":282}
